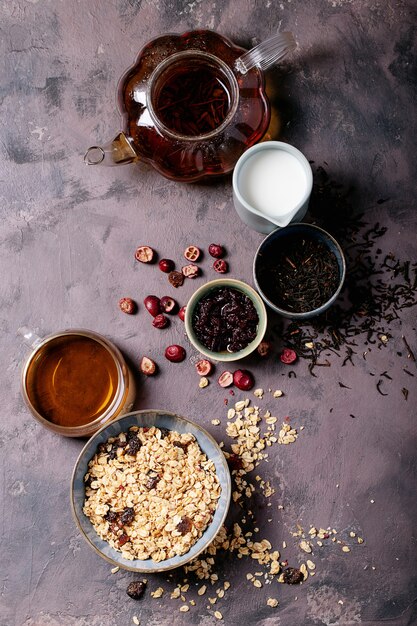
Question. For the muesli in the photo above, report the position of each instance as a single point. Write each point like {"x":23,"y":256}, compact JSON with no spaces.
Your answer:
{"x":151,"y":493}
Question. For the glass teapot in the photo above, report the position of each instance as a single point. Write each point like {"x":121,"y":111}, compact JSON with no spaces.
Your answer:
{"x":190,"y":106}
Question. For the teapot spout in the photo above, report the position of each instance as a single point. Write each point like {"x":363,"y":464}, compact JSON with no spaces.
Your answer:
{"x":119,"y":151}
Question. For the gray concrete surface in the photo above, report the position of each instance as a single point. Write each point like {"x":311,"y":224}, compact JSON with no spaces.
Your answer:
{"x":67,"y":238}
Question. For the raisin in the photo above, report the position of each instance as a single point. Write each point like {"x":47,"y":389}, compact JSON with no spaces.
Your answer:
{"x":111,"y":517}
{"x":292,"y":576}
{"x":153,"y":480}
{"x":134,"y":443}
{"x":102,"y":447}
{"x":136,"y":589}
{"x":183,"y":446}
{"x":164,"y":432}
{"x":127,"y":516}
{"x":184,"y":526}
{"x":123,"y":539}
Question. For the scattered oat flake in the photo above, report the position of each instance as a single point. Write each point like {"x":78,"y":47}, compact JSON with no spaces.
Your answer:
{"x":192,"y":602}
{"x":259,"y":393}
{"x":218,"y":615}
{"x":278,"y":393}
{"x":202,"y":590}
{"x":226,"y":585}
{"x":360,"y":540}
{"x":305,"y":546}
{"x":135,"y":620}
{"x":157,"y":593}
{"x":346,"y":549}
{"x":372,"y":501}
{"x":311,"y":565}
{"x":272,"y":602}
{"x":114,"y":570}
{"x":309,"y":345}
{"x":352,"y":534}
{"x":203,"y":382}
{"x":176,"y":593}
{"x":340,"y":601}
{"x":215,"y":422}
{"x":184,"y":608}
{"x":257,"y":583}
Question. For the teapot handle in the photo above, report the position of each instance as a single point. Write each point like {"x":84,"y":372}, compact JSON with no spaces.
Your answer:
{"x":30,"y":338}
{"x":119,"y":151}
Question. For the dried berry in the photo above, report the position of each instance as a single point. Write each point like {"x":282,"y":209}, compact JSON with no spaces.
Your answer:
{"x":147,"y":366}
{"x":264,"y":348}
{"x":136,"y":589}
{"x":225,"y":379}
{"x":192,"y":253}
{"x":134,"y":443}
{"x":184,"y":526}
{"x":181,"y":313}
{"x":127,"y":305}
{"x":175,"y":353}
{"x":153,"y":305}
{"x":168,"y":305}
{"x":288,"y":356}
{"x":204,"y":367}
{"x":216,"y":250}
{"x":152,"y":480}
{"x":111,"y":517}
{"x":292,"y":576}
{"x":190,"y":271}
{"x":166,"y":265}
{"x":176,"y":279}
{"x":127,"y":516}
{"x":164,"y":432}
{"x":144,"y":254}
{"x":160,"y":321}
{"x":123,"y":539}
{"x":179,"y":444}
{"x":220,"y":266}
{"x":243,"y":380}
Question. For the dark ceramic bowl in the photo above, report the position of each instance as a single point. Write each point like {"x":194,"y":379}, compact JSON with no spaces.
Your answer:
{"x":272,"y":243}
{"x":160,"y":419}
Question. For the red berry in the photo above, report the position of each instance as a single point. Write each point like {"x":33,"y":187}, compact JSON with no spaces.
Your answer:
{"x":145,"y":254}
{"x":225,"y":379}
{"x":153,"y":305}
{"x":168,"y":305}
{"x":204,"y":367}
{"x":190,"y":271}
{"x":288,"y":356}
{"x":216,"y":250}
{"x":243,"y":380}
{"x":147,"y":366}
{"x":181,"y":313}
{"x":175,"y":353}
{"x":166,"y":265}
{"x":220,"y":266}
{"x":127,"y":305}
{"x":192,"y":253}
{"x":160,"y":321}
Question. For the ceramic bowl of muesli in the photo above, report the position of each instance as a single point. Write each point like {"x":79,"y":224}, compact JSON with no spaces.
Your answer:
{"x":150,"y":491}
{"x":225,"y":319}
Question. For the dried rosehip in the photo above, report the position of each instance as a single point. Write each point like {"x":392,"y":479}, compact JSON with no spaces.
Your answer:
{"x":136,"y":589}
{"x":123,"y":539}
{"x":192,"y":253}
{"x":168,"y":305}
{"x":181,"y":313}
{"x":166,"y":265}
{"x":204,"y":367}
{"x":160,"y":321}
{"x":235,"y":462}
{"x":144,"y":254}
{"x":153,"y":305}
{"x":175,"y":353}
{"x":264,"y":348}
{"x":216,"y":250}
{"x":225,"y":379}
{"x":176,"y":279}
{"x":220,"y":266}
{"x":243,"y":380}
{"x":292,"y":576}
{"x":147,"y":366}
{"x":127,"y":305}
{"x":288,"y":356}
{"x":190,"y":271}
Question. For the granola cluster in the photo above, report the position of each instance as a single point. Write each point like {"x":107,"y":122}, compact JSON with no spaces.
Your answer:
{"x":151,"y":493}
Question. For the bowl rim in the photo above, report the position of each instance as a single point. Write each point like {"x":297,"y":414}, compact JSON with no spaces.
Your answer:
{"x":325,"y":305}
{"x":227,"y":487}
{"x":258,"y":303}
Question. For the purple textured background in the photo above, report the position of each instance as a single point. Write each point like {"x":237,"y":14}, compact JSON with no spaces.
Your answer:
{"x":68,"y":233}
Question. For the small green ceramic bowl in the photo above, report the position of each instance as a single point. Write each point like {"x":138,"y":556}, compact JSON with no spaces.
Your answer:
{"x":233,"y":284}
{"x":160,"y":419}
